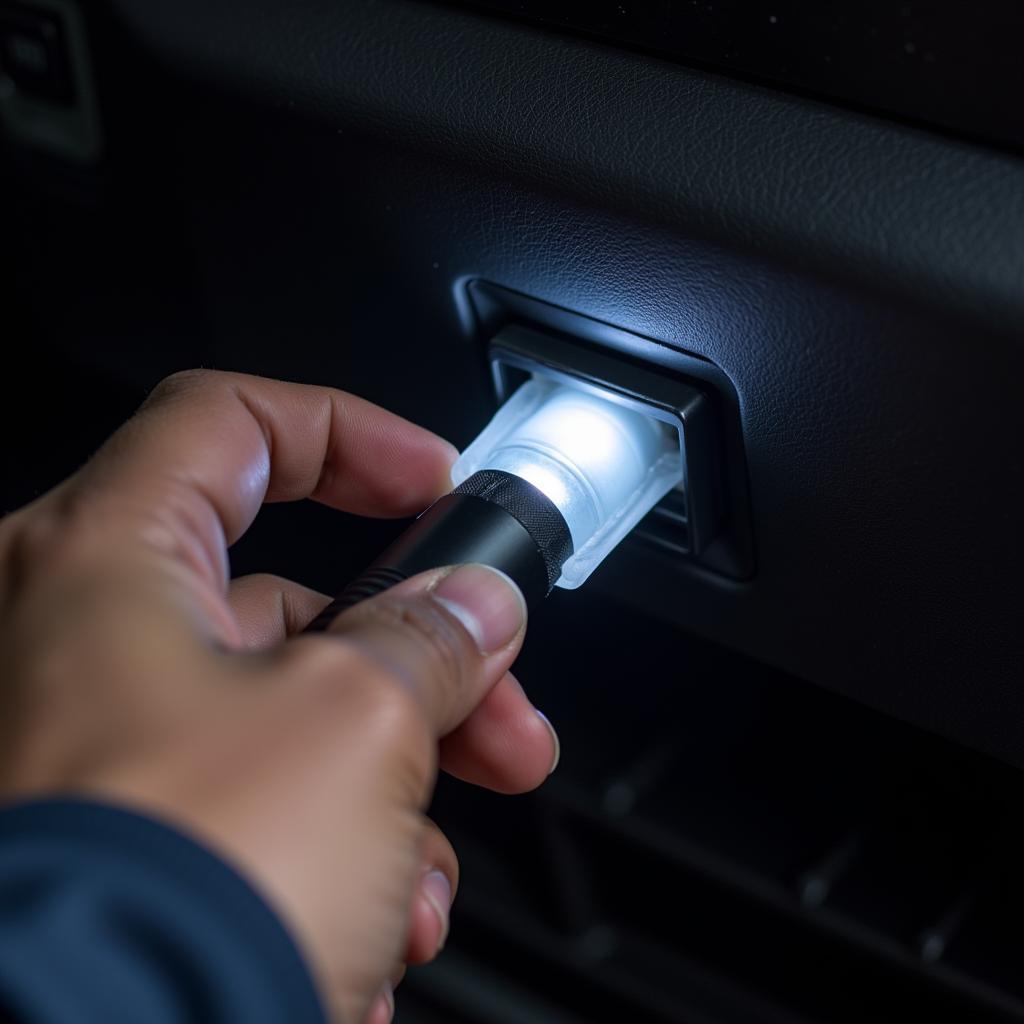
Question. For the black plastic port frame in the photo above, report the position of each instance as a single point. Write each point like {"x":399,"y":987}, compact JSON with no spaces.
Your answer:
{"x":704,"y":522}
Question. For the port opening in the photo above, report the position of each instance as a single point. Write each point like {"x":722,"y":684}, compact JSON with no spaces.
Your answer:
{"x":519,"y":354}
{"x":705,"y":523}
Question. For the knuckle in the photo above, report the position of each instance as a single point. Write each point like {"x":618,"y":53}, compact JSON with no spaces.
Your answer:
{"x":387,"y":699}
{"x":40,"y":540}
{"x":396,"y":718}
{"x":368,"y":689}
{"x":29,"y":536}
{"x":383,"y":710}
{"x":43,"y":549}
{"x":421,"y":644}
{"x":442,"y":646}
{"x":68,"y":529}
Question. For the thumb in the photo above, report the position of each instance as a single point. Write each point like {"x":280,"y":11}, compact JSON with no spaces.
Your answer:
{"x":449,"y":635}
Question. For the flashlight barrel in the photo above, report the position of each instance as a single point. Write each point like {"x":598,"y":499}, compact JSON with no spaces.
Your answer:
{"x":494,"y":518}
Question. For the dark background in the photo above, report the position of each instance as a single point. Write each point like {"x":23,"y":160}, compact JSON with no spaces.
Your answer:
{"x":813,"y":814}
{"x":935,"y":63}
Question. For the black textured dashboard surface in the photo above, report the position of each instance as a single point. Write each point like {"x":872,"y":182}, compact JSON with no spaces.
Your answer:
{"x":340,"y":171}
{"x":945,"y":63}
{"x":797,"y":180}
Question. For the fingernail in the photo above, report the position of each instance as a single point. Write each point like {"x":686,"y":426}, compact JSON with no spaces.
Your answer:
{"x":437,"y":891}
{"x":486,"y":602}
{"x":389,"y":998}
{"x":554,"y":738}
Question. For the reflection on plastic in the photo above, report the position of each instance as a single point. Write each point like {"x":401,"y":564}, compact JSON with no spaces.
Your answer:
{"x":604,"y":466}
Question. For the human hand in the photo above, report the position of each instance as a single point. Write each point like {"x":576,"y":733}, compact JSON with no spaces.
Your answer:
{"x":136,"y":673}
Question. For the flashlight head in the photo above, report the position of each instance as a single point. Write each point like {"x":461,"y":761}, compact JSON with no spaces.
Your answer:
{"x":604,"y":466}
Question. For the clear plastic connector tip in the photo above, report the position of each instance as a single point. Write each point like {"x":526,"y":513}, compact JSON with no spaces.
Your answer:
{"x":603,"y":465}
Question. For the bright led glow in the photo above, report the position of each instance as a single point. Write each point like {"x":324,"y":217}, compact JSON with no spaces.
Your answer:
{"x":547,"y":480}
{"x":604,"y":466}
{"x":563,"y":484}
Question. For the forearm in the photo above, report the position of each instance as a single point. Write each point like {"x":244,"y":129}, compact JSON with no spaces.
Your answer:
{"x":108,"y":916}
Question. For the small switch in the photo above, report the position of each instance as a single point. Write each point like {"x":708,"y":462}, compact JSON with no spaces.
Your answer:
{"x":33,"y":55}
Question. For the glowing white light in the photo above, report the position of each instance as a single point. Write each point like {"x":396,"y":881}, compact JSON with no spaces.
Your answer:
{"x":604,"y":466}
{"x":546,"y":481}
{"x":562,"y":483}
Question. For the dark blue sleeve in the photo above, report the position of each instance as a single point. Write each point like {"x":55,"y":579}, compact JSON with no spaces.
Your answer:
{"x":107,"y":916}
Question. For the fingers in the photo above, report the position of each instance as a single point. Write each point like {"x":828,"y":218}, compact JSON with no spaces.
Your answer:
{"x":382,"y":1012}
{"x":505,"y":745}
{"x":268,"y":609}
{"x":208,"y":448}
{"x":383,"y":1009}
{"x":428,"y":920}
{"x":447,"y":637}
{"x":435,"y":890}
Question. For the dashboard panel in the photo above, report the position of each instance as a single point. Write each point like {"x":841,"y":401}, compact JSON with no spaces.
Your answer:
{"x":939,"y":64}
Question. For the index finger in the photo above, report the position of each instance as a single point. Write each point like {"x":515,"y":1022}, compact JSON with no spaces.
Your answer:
{"x":214,"y":446}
